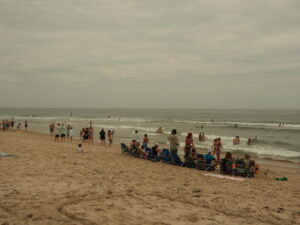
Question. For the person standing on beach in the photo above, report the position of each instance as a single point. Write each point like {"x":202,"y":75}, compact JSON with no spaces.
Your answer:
{"x":91,"y":135}
{"x":145,"y":141}
{"x":57,"y":132}
{"x":189,"y":144}
{"x":174,"y":142}
{"x":26,"y":125}
{"x":71,"y":133}
{"x":135,"y":136}
{"x":62,"y":133}
{"x":217,"y":148}
{"x":102,"y":137}
{"x":68,"y":131}
{"x":51,"y":127}
{"x":110,"y":137}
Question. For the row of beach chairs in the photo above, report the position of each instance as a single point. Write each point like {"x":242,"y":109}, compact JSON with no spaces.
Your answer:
{"x":227,"y":167}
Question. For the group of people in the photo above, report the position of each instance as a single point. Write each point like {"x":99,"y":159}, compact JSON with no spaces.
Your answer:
{"x":10,"y":124}
{"x":60,"y":132}
{"x":87,"y":135}
{"x":191,"y":158}
{"x":109,"y":134}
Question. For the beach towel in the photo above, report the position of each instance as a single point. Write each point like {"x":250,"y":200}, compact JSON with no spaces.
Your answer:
{"x":224,"y":177}
{"x":6,"y":155}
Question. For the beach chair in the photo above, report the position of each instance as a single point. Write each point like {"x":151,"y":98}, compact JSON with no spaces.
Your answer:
{"x":226,"y":166}
{"x":175,"y":159}
{"x":166,"y":156}
{"x":201,"y":165}
{"x":125,"y":149}
{"x":189,"y":162}
{"x":150,"y":155}
{"x":242,"y":170}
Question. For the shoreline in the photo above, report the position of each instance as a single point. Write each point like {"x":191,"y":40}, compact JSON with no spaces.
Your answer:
{"x":116,"y":144}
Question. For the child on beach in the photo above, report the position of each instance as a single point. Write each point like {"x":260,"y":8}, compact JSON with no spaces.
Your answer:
{"x":71,"y":132}
{"x":79,"y":148}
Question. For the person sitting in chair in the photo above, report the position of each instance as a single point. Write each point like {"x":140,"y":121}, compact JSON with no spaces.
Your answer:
{"x":136,"y":147}
{"x":250,"y":164}
{"x":156,"y":150}
{"x":210,"y":160}
{"x":227,"y":164}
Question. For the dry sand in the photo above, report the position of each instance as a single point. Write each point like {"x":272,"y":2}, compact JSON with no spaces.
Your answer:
{"x":49,"y":183}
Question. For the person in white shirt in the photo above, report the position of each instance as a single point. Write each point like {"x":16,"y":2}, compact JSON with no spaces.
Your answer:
{"x":79,"y":148}
{"x":135,"y":136}
{"x":71,"y":131}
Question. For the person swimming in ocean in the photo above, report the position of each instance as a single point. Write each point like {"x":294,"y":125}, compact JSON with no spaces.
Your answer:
{"x":236,"y":140}
{"x":159,"y":130}
{"x":249,"y":141}
{"x":202,"y":137}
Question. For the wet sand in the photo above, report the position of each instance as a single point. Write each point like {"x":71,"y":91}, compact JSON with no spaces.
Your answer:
{"x":49,"y":183}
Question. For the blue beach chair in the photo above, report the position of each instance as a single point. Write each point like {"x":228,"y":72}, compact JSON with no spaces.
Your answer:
{"x":166,"y":156}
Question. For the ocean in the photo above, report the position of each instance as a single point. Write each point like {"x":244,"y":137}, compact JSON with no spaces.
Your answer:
{"x":273,"y":142}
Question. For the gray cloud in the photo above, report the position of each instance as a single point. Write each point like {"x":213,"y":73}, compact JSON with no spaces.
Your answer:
{"x":171,"y":53}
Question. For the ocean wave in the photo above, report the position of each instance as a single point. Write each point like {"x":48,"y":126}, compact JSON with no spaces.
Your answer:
{"x":240,"y":124}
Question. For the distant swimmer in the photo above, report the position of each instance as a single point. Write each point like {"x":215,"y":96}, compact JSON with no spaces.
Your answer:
{"x":212,"y":120}
{"x":202,"y":137}
{"x":202,"y":126}
{"x":159,"y":130}
{"x":236,"y":140}
{"x":249,"y":141}
{"x":236,"y":125}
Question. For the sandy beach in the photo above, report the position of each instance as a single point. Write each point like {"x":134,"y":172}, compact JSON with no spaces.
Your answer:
{"x":49,"y":183}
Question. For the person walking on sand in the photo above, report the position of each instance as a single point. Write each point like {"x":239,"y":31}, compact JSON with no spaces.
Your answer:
{"x":102,"y":137}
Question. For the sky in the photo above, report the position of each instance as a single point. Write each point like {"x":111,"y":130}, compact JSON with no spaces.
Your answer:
{"x":150,"y":54}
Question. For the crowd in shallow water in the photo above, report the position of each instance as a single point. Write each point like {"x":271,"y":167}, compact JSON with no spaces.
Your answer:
{"x":7,"y":125}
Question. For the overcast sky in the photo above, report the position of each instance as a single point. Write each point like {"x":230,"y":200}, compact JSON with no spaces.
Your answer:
{"x":150,"y":53}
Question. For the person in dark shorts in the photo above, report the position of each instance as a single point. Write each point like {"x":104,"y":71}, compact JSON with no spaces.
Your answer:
{"x":102,"y":137}
{"x":85,"y":135}
{"x":57,"y":132}
{"x":62,"y":133}
{"x":26,"y":125}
